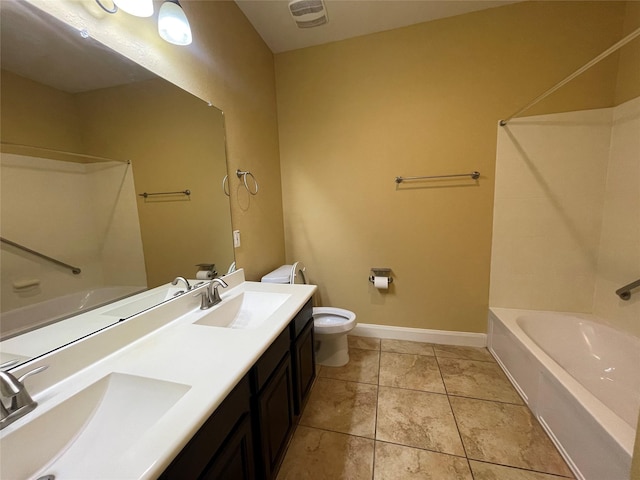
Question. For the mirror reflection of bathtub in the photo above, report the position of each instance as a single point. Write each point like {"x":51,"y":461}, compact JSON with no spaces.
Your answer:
{"x":48,"y":337}
{"x":75,"y":156}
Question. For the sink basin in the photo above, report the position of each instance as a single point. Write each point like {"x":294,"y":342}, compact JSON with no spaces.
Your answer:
{"x":89,"y":431}
{"x":244,"y":311}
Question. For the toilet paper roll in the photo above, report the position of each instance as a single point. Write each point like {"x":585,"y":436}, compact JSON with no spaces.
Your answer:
{"x":204,"y":275}
{"x":381,"y":283}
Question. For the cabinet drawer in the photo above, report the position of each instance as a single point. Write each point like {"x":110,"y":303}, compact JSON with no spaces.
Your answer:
{"x":301,"y":320}
{"x":269,"y":361}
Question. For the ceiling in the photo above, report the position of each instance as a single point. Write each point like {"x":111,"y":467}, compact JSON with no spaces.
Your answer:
{"x":350,"y":18}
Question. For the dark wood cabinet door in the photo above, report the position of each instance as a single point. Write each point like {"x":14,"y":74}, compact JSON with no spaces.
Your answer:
{"x":213,"y":438}
{"x":235,"y":460}
{"x":304,"y":370}
{"x":275,"y":418}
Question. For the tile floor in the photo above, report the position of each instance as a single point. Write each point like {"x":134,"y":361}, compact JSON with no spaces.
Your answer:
{"x":408,"y":410}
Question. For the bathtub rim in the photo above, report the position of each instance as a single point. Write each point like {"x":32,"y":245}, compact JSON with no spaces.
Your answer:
{"x":619,"y":430}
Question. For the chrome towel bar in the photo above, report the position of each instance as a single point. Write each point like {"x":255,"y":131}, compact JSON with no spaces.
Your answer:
{"x":182,"y":192}
{"x":474,"y":175}
{"x":625,"y":292}
{"x":74,"y":270}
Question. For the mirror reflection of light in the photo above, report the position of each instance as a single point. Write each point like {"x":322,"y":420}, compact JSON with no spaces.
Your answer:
{"x":138,"y":8}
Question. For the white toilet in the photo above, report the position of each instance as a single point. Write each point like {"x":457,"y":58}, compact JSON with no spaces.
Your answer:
{"x":330,"y":324}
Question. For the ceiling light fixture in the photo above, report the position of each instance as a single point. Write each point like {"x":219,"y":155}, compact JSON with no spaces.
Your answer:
{"x":173,"y":25}
{"x":138,"y":8}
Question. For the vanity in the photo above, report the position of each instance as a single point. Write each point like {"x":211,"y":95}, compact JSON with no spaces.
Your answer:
{"x":173,"y":392}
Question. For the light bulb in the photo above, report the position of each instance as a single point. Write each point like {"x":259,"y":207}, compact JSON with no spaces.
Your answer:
{"x":139,"y":8}
{"x":173,"y":25}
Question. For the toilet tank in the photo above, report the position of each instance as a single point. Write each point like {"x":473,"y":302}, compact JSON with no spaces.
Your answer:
{"x":279,"y":275}
{"x":287,"y":274}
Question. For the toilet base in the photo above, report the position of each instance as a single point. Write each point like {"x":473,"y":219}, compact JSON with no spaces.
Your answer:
{"x":332,"y":350}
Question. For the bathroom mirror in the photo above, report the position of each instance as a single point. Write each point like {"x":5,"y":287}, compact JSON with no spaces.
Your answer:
{"x":107,"y":169}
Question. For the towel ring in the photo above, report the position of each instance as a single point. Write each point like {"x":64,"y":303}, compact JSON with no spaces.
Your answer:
{"x":225,"y":181}
{"x":243,"y":175}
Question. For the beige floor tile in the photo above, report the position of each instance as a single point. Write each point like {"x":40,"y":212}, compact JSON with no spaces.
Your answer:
{"x":394,"y":462}
{"x":468,"y":353}
{"x":362,"y":367}
{"x":406,"y":346}
{"x":364,"y":343}
{"x":489,"y":471}
{"x":484,"y":380}
{"x":506,"y":434}
{"x":320,"y":455}
{"x":416,"y":372}
{"x":417,"y":419}
{"x":339,"y":406}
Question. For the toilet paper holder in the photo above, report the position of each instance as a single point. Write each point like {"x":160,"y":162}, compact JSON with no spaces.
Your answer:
{"x":206,"y":271}
{"x":380,"y":272}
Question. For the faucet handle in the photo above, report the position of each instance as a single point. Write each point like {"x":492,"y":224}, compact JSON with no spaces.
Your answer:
{"x":9,"y":363}
{"x":33,"y":372}
{"x":11,"y":386}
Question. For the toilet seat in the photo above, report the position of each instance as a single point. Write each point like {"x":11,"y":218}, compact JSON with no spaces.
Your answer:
{"x":328,"y":320}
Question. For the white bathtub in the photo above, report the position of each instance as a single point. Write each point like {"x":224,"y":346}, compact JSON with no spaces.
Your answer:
{"x":581,"y":380}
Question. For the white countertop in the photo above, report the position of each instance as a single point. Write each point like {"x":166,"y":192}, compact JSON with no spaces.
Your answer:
{"x":209,"y":360}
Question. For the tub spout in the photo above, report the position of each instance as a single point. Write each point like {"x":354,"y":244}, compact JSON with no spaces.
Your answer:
{"x":625,"y":292}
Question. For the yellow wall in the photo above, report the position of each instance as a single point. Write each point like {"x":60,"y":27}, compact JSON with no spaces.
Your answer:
{"x":229,"y":65}
{"x":421,"y":100}
{"x":54,"y":122}
{"x":628,"y":81}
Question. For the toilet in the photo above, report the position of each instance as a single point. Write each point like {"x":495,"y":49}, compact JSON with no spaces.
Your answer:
{"x":330,"y":324}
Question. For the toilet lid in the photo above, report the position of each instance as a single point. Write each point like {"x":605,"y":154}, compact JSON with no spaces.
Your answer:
{"x":279,"y":275}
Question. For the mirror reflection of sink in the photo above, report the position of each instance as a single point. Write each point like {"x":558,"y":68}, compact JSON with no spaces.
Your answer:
{"x":244,"y":311}
{"x":89,"y":431}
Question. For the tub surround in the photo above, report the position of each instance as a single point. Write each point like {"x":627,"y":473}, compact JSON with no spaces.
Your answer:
{"x":554,"y":227}
{"x":163,"y":344}
{"x":596,"y":442}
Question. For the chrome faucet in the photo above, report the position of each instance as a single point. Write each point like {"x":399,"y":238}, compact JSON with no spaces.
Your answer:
{"x":16,"y":401}
{"x":186,"y":282}
{"x":210,"y":295}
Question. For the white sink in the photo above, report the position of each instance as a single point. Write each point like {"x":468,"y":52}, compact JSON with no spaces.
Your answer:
{"x":244,"y":311}
{"x":89,"y":431}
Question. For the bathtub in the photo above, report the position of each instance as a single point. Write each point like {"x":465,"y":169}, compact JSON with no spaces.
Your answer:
{"x":581,"y":380}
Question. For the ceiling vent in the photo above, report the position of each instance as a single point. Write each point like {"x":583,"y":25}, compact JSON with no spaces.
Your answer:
{"x":308,"y":13}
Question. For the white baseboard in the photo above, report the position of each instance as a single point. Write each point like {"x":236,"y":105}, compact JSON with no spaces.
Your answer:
{"x":444,"y":337}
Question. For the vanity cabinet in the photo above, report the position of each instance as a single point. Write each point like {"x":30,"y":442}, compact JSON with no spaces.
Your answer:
{"x":273,"y":407}
{"x":303,"y":357}
{"x":247,"y":436}
{"x":223,"y":448}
